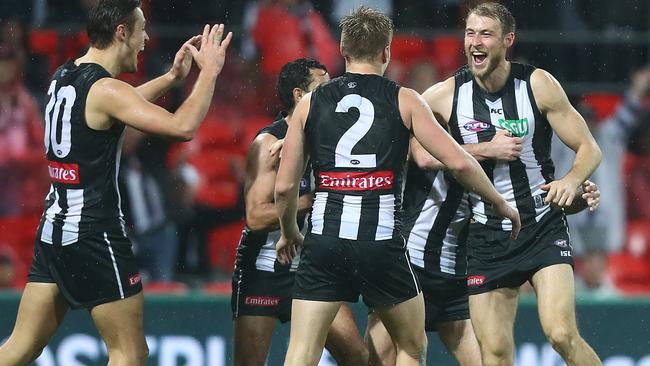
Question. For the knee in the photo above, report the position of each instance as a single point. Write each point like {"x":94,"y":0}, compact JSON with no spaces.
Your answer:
{"x":497,"y":350}
{"x":134,"y":356}
{"x":416,"y":347}
{"x":562,"y":338}
{"x":20,"y":355}
{"x":357,"y":357}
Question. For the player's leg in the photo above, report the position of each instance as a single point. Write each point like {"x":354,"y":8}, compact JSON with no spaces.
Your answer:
{"x":252,"y":339}
{"x":310,"y":323}
{"x":493,"y":316}
{"x":458,"y":336}
{"x":41,"y":311}
{"x":120,"y":323}
{"x":344,"y":341}
{"x":405,"y":324}
{"x":382,"y":351}
{"x":259,"y":299}
{"x":554,"y":286}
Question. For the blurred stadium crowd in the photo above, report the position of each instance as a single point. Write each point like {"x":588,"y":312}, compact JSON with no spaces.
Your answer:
{"x":183,"y":203}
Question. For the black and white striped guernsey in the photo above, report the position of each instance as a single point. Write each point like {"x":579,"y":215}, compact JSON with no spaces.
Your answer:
{"x":477,"y":115}
{"x":82,"y":162}
{"x":358,"y":145}
{"x":256,"y":249}
{"x":436,"y":220}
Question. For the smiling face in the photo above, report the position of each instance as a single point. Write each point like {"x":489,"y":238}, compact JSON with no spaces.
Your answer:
{"x":136,"y":39}
{"x":485,"y":44}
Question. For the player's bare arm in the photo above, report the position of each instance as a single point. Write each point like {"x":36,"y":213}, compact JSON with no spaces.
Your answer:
{"x":422,"y":158}
{"x":287,"y":183}
{"x":420,"y":120}
{"x":572,"y":130}
{"x":110,"y":99}
{"x":156,"y":88}
{"x":503,"y":146}
{"x":261,"y":170}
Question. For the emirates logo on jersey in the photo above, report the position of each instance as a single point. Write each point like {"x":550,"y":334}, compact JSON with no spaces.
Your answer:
{"x":356,"y":181}
{"x":475,"y":280}
{"x":63,"y":173}
{"x":262,"y":301}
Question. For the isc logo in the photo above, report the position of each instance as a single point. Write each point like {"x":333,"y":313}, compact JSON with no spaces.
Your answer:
{"x":565,"y":253}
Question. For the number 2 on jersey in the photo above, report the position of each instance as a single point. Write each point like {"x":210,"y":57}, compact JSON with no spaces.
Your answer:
{"x":343,"y":153}
{"x":67,"y":94}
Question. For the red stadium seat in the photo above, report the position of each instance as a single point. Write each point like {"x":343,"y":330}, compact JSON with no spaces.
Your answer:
{"x":222,"y":245}
{"x":407,"y":48}
{"x":46,"y":42}
{"x":447,"y":54}
{"x":604,"y":104}
{"x":630,"y":269}
{"x":17,"y":234}
{"x":219,"y":187}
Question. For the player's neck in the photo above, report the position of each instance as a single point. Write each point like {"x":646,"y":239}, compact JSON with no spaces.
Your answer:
{"x":497,"y":79}
{"x":105,"y":58}
{"x":364,"y":68}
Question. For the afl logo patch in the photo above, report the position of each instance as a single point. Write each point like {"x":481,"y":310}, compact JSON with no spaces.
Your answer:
{"x":562,"y":243}
{"x":476,"y":126}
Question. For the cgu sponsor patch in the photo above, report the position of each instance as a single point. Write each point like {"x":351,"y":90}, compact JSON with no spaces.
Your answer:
{"x":517,"y":127}
{"x":63,"y":173}
{"x":356,"y":181}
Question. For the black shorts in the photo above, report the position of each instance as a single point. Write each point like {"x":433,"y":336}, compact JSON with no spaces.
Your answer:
{"x":445,"y":297}
{"x":333,"y":269}
{"x":496,"y":261}
{"x":261,"y":293}
{"x":98,"y":269}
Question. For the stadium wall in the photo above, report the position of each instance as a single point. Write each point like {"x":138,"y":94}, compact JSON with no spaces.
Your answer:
{"x":196,"y":330}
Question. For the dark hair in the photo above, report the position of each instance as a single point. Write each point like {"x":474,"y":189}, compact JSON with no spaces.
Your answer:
{"x":364,"y":33}
{"x":106,"y":16}
{"x":497,"y":12}
{"x":295,"y":74}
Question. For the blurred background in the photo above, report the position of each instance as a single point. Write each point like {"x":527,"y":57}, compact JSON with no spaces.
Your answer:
{"x":184,"y":203}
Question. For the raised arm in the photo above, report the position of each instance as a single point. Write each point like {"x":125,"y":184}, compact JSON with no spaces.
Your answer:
{"x":261,"y":170}
{"x":111,"y":99}
{"x":572,"y":130}
{"x":418,"y":117}
{"x":156,"y":88}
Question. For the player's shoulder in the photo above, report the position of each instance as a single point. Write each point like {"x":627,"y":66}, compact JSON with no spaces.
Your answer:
{"x":440,"y":89}
{"x":542,"y":81}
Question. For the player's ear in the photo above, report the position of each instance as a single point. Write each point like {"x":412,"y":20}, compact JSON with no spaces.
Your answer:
{"x":297,"y":94}
{"x":121,"y":33}
{"x":509,"y":39}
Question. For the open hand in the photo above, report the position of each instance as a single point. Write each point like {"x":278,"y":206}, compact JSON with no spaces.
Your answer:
{"x":287,"y":247}
{"x":212,"y":53}
{"x":183,"y":59}
{"x":591,"y":194}
{"x":503,"y":209}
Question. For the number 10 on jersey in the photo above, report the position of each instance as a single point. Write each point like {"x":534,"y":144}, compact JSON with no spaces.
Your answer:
{"x":66,"y":97}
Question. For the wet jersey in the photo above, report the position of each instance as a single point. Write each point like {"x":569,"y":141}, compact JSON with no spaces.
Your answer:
{"x":477,"y":115}
{"x":358,"y":144}
{"x":82,"y":162}
{"x":256,"y":249}
{"x":436,"y":218}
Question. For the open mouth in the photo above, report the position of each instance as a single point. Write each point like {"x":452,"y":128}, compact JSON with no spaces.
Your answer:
{"x":479,"y":57}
